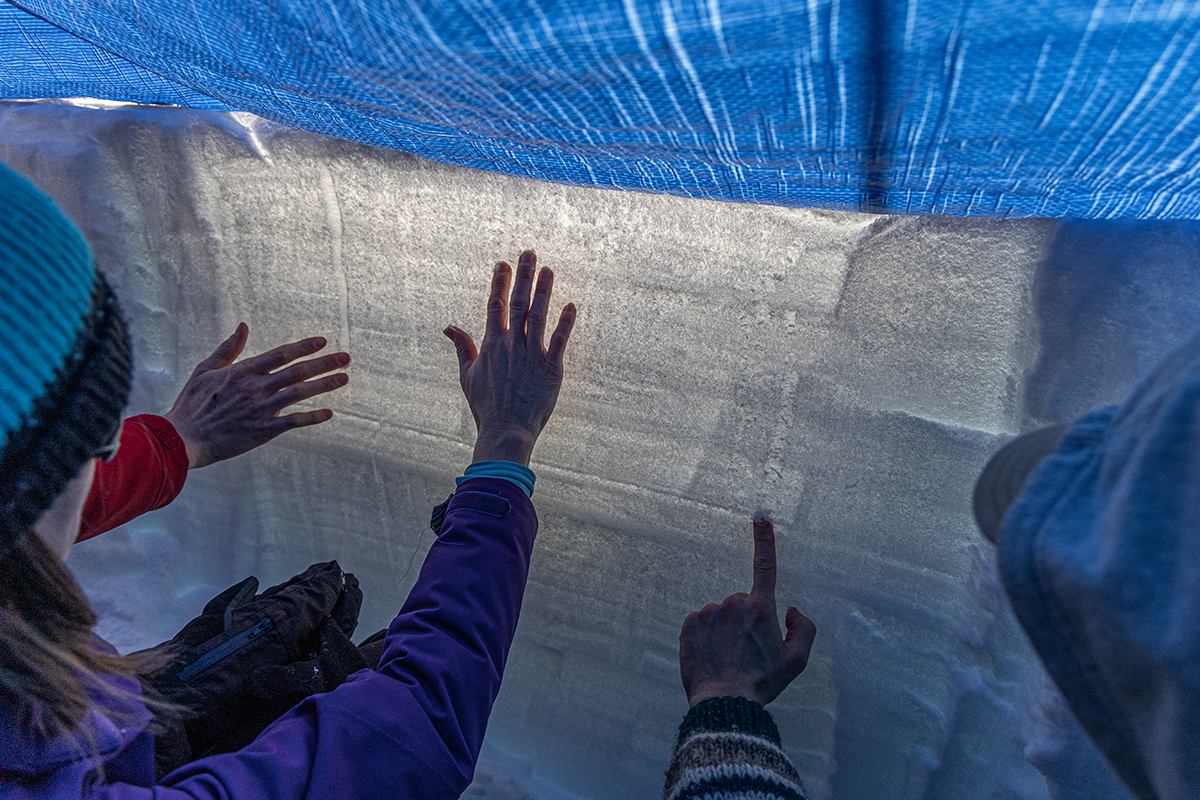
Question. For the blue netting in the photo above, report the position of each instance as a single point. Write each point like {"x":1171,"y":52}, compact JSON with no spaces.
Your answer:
{"x":930,"y":106}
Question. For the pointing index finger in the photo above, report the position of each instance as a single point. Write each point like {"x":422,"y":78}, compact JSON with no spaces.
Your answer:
{"x":764,"y":559}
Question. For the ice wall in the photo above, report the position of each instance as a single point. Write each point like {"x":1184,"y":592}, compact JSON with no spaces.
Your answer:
{"x":850,"y":372}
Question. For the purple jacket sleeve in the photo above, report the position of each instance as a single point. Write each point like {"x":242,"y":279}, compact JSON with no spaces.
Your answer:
{"x":412,"y":729}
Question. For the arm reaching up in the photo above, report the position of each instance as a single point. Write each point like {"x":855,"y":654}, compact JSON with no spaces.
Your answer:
{"x":733,"y":661}
{"x":413,"y":728}
{"x":511,"y":381}
{"x":223,"y":410}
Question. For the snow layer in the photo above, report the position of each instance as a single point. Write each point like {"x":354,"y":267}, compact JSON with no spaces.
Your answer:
{"x":852,"y":373}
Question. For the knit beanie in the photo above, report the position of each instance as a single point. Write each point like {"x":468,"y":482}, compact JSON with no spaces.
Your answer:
{"x":64,"y":355}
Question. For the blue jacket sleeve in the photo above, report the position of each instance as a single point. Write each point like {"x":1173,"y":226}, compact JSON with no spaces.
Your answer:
{"x":412,"y":729}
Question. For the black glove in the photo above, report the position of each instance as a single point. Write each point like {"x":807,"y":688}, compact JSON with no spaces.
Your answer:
{"x":238,"y":634}
{"x":171,"y":746}
{"x":372,"y":648}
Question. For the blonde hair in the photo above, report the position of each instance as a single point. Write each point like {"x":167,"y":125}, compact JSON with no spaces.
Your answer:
{"x":50,"y":670}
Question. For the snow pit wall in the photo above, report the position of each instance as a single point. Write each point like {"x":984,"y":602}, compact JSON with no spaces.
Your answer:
{"x":851,"y":372}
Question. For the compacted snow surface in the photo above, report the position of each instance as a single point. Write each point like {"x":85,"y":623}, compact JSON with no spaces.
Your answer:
{"x":849,"y":373}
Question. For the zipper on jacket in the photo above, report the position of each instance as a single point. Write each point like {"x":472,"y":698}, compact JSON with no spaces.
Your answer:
{"x":221,"y":652}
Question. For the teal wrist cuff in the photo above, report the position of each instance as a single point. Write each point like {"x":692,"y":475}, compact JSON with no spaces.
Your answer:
{"x":506,"y":470}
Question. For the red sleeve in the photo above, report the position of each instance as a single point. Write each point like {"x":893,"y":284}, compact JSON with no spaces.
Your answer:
{"x":147,"y":473}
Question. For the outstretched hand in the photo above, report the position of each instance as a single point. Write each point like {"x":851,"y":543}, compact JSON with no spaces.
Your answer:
{"x":735,"y":648}
{"x":511,"y":380}
{"x":226,"y":409}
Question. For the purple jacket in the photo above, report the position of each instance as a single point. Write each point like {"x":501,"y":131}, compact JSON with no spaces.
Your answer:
{"x":410,"y":730}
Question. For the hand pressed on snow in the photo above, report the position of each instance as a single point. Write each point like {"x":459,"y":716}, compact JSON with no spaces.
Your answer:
{"x":735,"y":649}
{"x":511,"y":381}
{"x":226,"y":409}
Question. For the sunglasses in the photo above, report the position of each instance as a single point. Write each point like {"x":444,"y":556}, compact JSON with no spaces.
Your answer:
{"x":108,"y":450}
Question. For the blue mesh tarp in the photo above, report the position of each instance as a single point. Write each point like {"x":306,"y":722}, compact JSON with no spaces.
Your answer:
{"x":1084,"y":109}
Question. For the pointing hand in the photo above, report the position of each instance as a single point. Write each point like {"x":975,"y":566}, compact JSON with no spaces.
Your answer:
{"x":736,"y":648}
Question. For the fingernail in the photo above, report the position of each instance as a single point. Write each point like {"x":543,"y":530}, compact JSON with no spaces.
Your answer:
{"x":318,"y":342}
{"x":343,"y":359}
{"x":341,"y":379}
{"x":448,"y":331}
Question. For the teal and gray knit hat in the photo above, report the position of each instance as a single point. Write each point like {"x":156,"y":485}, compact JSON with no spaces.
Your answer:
{"x":64,"y":355}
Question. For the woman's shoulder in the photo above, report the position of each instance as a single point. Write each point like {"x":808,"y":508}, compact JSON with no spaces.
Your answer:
{"x":109,"y":731}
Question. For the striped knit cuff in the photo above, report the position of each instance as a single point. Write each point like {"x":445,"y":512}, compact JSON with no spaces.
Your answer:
{"x":733,"y":714}
{"x":729,"y":748}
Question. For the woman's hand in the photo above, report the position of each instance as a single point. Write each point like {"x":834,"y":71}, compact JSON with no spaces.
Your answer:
{"x":735,"y":649}
{"x":511,"y":381}
{"x":226,"y":409}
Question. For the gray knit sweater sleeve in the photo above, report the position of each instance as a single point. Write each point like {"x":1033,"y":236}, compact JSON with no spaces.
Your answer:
{"x":728,"y":747}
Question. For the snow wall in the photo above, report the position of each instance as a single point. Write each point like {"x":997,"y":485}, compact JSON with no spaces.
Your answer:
{"x":850,"y":372}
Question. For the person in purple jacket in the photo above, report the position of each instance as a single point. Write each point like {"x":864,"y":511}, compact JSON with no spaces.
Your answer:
{"x":73,"y":722}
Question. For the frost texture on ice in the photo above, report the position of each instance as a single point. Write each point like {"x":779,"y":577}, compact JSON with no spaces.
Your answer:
{"x":851,"y":372}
